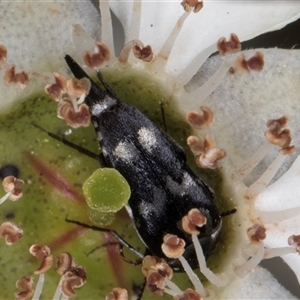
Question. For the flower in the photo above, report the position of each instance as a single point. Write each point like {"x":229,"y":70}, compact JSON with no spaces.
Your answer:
{"x":238,"y":126}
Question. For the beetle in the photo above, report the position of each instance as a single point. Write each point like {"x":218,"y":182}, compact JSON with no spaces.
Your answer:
{"x":163,"y":187}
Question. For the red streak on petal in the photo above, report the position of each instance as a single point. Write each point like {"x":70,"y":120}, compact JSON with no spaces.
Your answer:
{"x":55,"y":179}
{"x":66,"y":237}
{"x":115,"y":259}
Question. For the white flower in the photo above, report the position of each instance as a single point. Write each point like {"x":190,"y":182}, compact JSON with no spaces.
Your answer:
{"x":241,"y":102}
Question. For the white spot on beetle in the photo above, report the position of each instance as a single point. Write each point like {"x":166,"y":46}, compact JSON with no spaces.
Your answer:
{"x":147,"y":138}
{"x":125,"y":151}
{"x":180,"y":189}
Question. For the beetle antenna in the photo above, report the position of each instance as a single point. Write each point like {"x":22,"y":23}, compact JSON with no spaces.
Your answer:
{"x":105,"y":84}
{"x":229,"y":212}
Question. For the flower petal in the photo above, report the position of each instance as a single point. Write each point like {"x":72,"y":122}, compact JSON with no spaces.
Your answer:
{"x":259,"y":284}
{"x":215,"y":20}
{"x":37,"y":36}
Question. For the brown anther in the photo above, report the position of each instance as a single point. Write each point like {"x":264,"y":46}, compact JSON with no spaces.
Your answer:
{"x":75,"y":278}
{"x":192,"y":4}
{"x":192,"y":220}
{"x":188,"y":294}
{"x":150,"y":261}
{"x":287,"y":150}
{"x":19,"y":79}
{"x":25,"y":285}
{"x":254,"y":63}
{"x":11,"y":232}
{"x":226,"y":47}
{"x":57,"y":89}
{"x":241,"y":63}
{"x":256,"y":233}
{"x":145,"y":53}
{"x":173,"y":246}
{"x":117,"y":294}
{"x":97,"y":59}
{"x":277,"y":135}
{"x":156,"y":283}
{"x":294,"y":240}
{"x":196,"y":145}
{"x":64,"y":263}
{"x":78,"y":87}
{"x":14,"y":186}
{"x":3,"y":54}
{"x":65,"y":110}
{"x":43,"y":253}
{"x":200,"y":121}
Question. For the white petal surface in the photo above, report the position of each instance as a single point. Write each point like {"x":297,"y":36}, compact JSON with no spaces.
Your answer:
{"x":38,"y":35}
{"x":259,"y":284}
{"x":217,"y":18}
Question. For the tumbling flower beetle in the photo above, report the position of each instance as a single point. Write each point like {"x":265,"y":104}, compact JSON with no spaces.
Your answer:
{"x":163,"y":188}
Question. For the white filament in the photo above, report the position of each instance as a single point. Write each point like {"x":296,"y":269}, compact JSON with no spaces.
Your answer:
{"x":39,"y":287}
{"x":213,"y":278}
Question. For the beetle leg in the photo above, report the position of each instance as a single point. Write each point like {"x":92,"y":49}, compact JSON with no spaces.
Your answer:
{"x":112,"y":232}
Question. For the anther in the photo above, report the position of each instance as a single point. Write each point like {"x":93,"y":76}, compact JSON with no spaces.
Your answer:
{"x":13,"y":188}
{"x":97,"y":59}
{"x":25,"y":285}
{"x":294,"y":240}
{"x":255,"y":63}
{"x":173,"y":247}
{"x":194,"y":5}
{"x":200,"y":121}
{"x":75,"y":119}
{"x":256,"y":233}
{"x":117,"y":294}
{"x":57,"y":89}
{"x":145,"y":53}
{"x":190,"y":222}
{"x":19,"y":79}
{"x":226,"y":47}
{"x":11,"y":232}
{"x":205,"y":151}
{"x":188,"y":294}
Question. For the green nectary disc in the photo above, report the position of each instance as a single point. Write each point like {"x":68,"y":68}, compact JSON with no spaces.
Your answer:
{"x":106,"y":190}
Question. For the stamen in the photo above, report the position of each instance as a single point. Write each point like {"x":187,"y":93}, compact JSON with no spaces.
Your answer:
{"x":256,"y":234}
{"x":75,"y":278}
{"x":294,"y":240}
{"x":226,"y":47}
{"x":268,"y":217}
{"x":255,"y":63}
{"x":20,"y":79}
{"x":124,"y":54}
{"x":206,"y":152}
{"x":42,"y":253}
{"x":75,"y":119}
{"x":279,"y":136}
{"x":106,"y":26}
{"x":212,"y":83}
{"x":162,"y":57}
{"x":57,"y":89}
{"x":117,"y":294}
{"x":78,"y":88}
{"x":11,"y":232}
{"x":173,"y":247}
{"x":194,"y":5}
{"x":145,"y":54}
{"x":250,"y":264}
{"x":25,"y":285}
{"x":134,"y":28}
{"x":200,"y":121}
{"x":188,"y":294}
{"x":97,"y":59}
{"x":190,"y":223}
{"x":13,"y":188}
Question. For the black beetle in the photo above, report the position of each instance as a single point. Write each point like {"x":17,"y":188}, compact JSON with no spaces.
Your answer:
{"x":163,"y":187}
